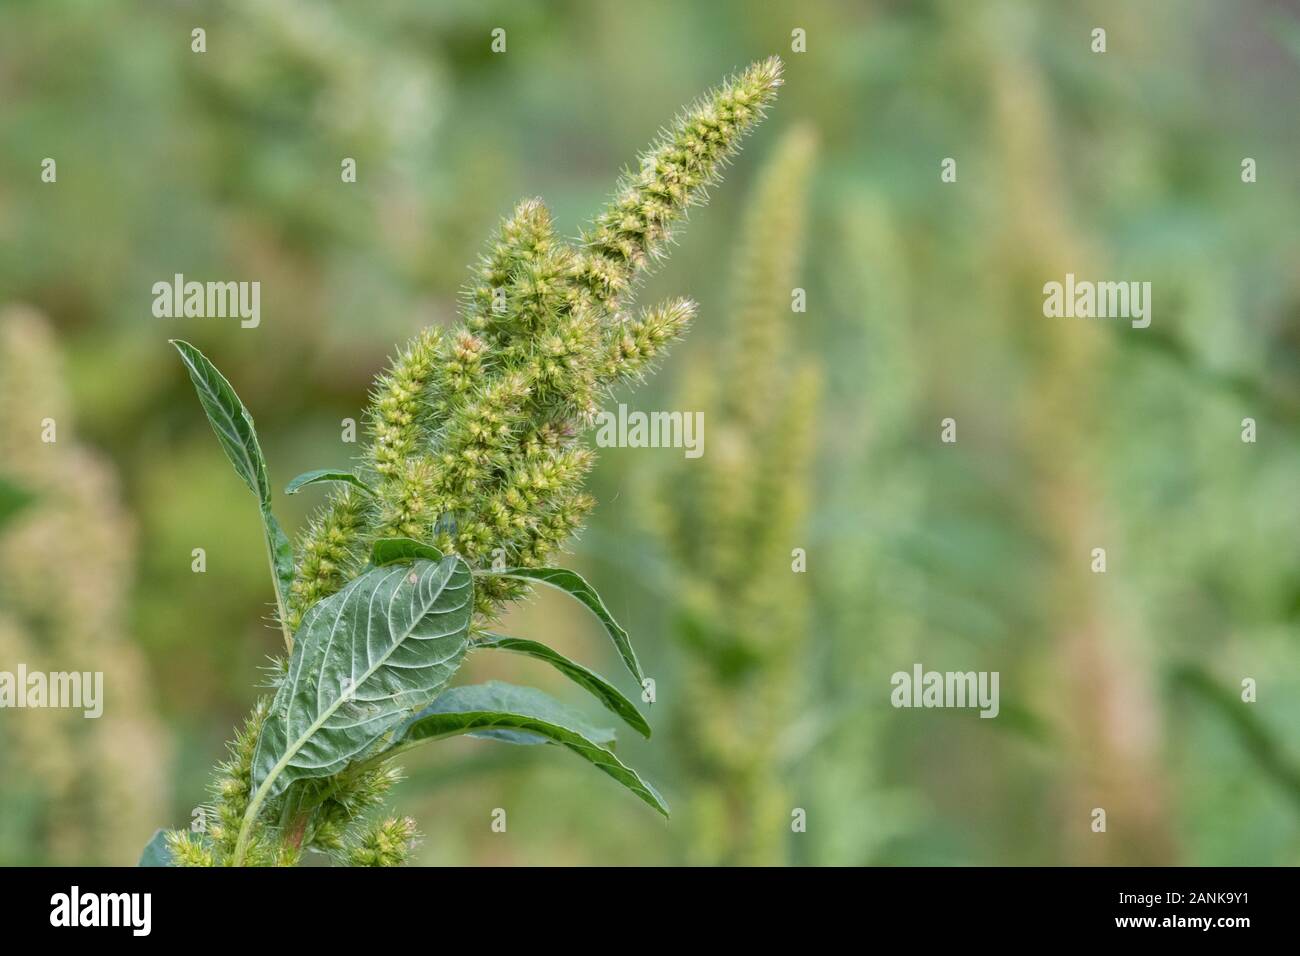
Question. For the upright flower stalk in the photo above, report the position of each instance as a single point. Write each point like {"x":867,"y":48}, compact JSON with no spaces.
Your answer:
{"x":473,"y":476}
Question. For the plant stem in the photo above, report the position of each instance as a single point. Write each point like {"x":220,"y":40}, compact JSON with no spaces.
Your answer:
{"x":246,"y":827}
{"x":279,"y":597}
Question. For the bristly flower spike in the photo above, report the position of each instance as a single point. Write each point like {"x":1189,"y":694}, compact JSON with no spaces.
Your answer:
{"x":476,"y":435}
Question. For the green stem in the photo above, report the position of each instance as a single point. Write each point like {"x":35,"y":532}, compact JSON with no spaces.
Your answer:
{"x":279,"y":596}
{"x":246,"y":827}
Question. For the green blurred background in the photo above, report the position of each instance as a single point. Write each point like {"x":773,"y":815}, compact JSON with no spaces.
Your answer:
{"x":1119,"y":691}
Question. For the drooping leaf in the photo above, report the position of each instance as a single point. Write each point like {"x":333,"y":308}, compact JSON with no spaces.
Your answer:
{"x":365,"y":658}
{"x":604,"y":736}
{"x":391,"y":550}
{"x":326,"y":475}
{"x":573,"y":584}
{"x":497,"y":707}
{"x":234,"y":427}
{"x":156,"y":852}
{"x":601,"y":689}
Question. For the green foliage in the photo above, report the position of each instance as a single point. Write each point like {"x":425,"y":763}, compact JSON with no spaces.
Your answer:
{"x":387,"y":551}
{"x":474,"y":454}
{"x":521,"y":715}
{"x":325,"y":475}
{"x":1271,"y":754}
{"x":573,"y":584}
{"x":381,"y":647}
{"x":601,"y":689}
{"x":13,"y":499}
{"x":234,"y":427}
{"x":156,"y":851}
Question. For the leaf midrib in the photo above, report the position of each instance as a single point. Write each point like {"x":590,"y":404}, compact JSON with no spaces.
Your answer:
{"x":292,"y":749}
{"x":231,"y":433}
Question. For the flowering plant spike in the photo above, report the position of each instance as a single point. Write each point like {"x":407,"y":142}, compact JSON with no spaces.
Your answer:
{"x":471,"y":481}
{"x":729,"y":523}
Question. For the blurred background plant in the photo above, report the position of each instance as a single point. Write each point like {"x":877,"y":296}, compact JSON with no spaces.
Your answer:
{"x":731,"y":522}
{"x":77,"y":790}
{"x":924,"y":302}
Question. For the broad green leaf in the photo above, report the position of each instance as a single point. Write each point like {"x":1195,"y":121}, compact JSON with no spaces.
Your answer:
{"x":156,"y":852}
{"x":390,"y":550}
{"x":234,"y":427}
{"x":13,"y":499}
{"x":496,"y":707}
{"x":364,"y":658}
{"x":323,"y":475}
{"x":603,"y":690}
{"x":573,"y":584}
